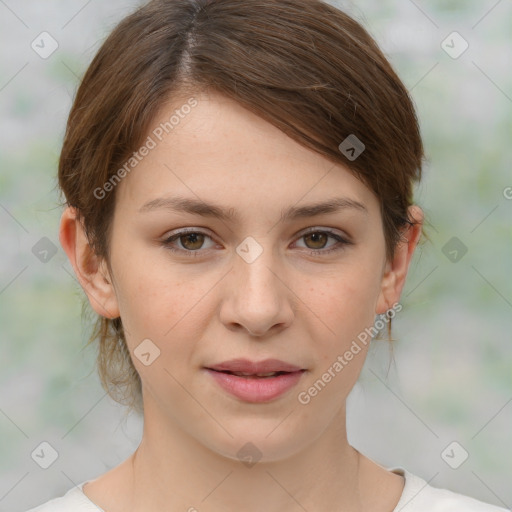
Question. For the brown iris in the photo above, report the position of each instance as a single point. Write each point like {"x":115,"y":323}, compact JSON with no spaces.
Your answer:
{"x":317,"y":237}
{"x":196,"y":240}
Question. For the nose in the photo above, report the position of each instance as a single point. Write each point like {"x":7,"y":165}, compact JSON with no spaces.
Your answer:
{"x":256,"y":296}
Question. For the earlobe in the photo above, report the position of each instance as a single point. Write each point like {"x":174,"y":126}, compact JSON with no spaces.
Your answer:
{"x":395,"y":272}
{"x":91,"y":270}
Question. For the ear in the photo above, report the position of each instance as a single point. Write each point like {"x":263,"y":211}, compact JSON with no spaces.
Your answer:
{"x":91,"y":271}
{"x":395,"y":272}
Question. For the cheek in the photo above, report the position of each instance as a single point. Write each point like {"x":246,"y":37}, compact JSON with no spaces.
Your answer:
{"x":154,"y":304}
{"x":162,"y":301}
{"x":163,"y":309}
{"x":344,"y":305}
{"x":347,"y":297}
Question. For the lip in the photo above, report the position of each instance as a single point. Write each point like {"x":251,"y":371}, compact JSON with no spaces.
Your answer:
{"x":253,"y":367}
{"x":256,"y":389}
{"x":251,"y":388}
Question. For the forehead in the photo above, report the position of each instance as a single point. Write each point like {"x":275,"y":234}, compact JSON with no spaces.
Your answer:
{"x":208,"y":147}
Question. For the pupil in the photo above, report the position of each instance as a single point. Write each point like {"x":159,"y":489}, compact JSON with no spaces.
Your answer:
{"x":316,"y":237}
{"x":193,"y":237}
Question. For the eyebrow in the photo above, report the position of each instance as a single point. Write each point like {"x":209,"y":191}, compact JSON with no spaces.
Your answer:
{"x":198,"y":207}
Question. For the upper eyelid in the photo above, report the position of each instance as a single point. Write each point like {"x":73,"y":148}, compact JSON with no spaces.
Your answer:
{"x":330,"y":231}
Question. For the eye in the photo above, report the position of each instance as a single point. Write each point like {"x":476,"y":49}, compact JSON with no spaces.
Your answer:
{"x":190,"y":240}
{"x":317,"y":239}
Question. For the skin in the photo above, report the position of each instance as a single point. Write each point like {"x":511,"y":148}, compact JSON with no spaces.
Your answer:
{"x":289,"y":304}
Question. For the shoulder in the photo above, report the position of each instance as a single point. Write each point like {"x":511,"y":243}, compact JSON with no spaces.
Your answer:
{"x":419,"y":496}
{"x":73,"y":501}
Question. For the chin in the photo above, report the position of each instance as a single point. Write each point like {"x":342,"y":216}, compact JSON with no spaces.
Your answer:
{"x":261,"y":442}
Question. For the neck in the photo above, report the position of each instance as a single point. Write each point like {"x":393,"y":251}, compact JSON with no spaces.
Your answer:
{"x":183,"y":472}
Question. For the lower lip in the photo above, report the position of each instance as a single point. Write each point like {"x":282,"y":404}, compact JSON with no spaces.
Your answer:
{"x":256,"y":389}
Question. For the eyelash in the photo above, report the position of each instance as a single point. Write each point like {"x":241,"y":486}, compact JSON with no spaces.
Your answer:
{"x":342,"y":242}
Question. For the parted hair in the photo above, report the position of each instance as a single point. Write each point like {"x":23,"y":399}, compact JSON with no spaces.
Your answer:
{"x":305,"y":66}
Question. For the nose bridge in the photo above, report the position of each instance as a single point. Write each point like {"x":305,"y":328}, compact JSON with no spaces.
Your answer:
{"x":258,"y":300}
{"x":255,"y":265}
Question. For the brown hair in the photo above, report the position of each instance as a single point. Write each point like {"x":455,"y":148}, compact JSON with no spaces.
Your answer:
{"x":302,"y":65}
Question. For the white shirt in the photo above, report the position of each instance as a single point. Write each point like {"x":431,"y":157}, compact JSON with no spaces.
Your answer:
{"x":417,"y":496}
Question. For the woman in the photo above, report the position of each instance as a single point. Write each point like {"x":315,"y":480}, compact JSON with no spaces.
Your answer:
{"x":238,"y":180}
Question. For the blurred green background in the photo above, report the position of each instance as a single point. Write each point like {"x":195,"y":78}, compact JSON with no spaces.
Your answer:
{"x":450,"y":377}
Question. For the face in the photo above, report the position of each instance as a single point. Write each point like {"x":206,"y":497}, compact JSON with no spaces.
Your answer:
{"x":256,"y":283}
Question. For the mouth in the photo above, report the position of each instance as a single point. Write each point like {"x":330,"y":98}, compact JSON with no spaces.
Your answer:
{"x":255,"y":387}
{"x":254,"y":375}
